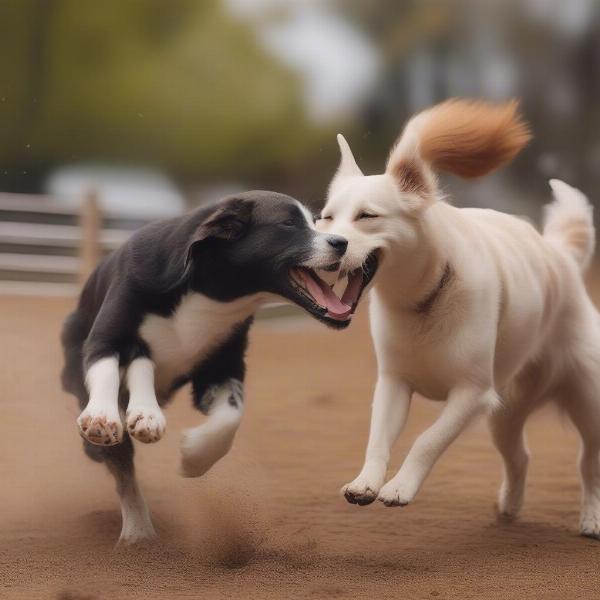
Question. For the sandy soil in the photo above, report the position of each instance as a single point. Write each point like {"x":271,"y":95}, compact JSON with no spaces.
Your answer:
{"x":267,"y":522}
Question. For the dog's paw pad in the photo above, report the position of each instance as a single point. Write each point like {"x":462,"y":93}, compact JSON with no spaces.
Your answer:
{"x":146,"y":425}
{"x":358,"y":493}
{"x":100,"y":429}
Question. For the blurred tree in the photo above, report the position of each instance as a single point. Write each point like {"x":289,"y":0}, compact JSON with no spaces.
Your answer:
{"x":177,"y":84}
{"x":545,"y":52}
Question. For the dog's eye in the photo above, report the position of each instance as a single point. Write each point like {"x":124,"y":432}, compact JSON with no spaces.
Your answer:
{"x":323,"y":218}
{"x":366,"y":215}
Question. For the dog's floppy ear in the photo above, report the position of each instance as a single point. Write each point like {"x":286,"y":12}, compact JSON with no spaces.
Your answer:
{"x":161,"y":254}
{"x":228,"y":221}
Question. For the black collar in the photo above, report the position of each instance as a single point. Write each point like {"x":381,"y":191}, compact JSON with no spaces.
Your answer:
{"x":425,"y":305}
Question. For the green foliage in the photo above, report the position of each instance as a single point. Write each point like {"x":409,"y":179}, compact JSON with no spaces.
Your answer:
{"x":175,"y":83}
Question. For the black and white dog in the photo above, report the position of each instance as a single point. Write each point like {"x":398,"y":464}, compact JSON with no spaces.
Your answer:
{"x":173,"y":306}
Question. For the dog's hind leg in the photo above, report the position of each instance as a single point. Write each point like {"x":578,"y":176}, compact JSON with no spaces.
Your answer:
{"x":581,"y":399}
{"x":506,"y":425}
{"x":203,"y":446}
{"x":136,"y":522}
{"x":526,"y":392}
{"x":218,"y":392}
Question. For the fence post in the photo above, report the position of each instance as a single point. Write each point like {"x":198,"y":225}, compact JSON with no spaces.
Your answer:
{"x":90,"y":221}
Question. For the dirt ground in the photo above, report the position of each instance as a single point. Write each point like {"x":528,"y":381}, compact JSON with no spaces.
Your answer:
{"x":268,"y":521}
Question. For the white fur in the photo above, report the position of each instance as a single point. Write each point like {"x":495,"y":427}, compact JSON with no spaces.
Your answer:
{"x":145,"y":421}
{"x":100,"y":422}
{"x":570,"y":212}
{"x":203,"y":446}
{"x":322,"y":253}
{"x":136,"y":522}
{"x":308,"y":216}
{"x":199,"y":324}
{"x":388,"y":417}
{"x":179,"y":342}
{"x":513,"y":328}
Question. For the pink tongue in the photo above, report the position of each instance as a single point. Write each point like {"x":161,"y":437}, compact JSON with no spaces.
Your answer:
{"x":324,"y":296}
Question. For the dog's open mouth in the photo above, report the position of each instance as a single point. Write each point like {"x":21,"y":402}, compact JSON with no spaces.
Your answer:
{"x":321,"y":294}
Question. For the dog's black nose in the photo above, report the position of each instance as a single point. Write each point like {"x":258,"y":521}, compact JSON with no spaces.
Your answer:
{"x":338,"y":242}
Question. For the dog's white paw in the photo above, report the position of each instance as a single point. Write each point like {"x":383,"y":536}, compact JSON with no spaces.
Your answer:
{"x":137,"y":528}
{"x":100,"y":427}
{"x":362,"y":491}
{"x":396,"y":493}
{"x":589,"y":525}
{"x":145,"y":424}
{"x":510,"y":500}
{"x":202,"y":447}
{"x":135,"y":538}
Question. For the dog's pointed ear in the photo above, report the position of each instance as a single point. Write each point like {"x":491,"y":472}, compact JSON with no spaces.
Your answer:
{"x":348,"y":165}
{"x":228,"y":221}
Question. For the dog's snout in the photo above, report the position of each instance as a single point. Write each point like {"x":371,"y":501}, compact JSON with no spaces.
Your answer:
{"x":338,"y":242}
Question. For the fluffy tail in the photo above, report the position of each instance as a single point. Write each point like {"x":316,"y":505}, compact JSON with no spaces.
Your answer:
{"x":569,"y":221}
{"x":468,"y":138}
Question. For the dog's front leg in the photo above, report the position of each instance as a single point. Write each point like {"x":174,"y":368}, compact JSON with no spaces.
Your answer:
{"x":388,"y":416}
{"x":462,"y":406}
{"x":100,"y":421}
{"x":145,"y":420}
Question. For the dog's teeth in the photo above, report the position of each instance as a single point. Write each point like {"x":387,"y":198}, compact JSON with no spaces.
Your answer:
{"x":329,"y":277}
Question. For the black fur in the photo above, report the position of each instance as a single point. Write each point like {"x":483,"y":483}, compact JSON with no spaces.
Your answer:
{"x":227,"y":362}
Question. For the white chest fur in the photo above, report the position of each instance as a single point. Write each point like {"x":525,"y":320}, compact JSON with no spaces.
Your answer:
{"x":182,"y":340}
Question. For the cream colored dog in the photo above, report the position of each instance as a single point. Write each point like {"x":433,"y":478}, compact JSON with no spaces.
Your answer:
{"x":470,"y":306}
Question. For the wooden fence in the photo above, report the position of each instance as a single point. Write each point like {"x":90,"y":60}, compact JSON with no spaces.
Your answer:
{"x":48,"y":247}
